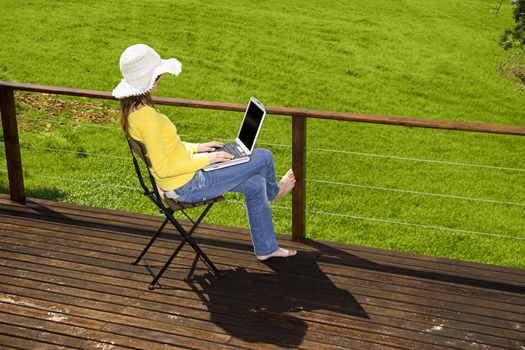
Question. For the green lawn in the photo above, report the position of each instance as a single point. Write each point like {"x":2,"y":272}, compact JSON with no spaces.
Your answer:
{"x":424,"y":59}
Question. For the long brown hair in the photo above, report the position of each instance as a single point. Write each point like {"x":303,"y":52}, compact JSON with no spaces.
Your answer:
{"x":128,"y":104}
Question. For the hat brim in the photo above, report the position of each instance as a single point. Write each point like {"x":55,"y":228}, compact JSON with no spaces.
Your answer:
{"x":124,"y":89}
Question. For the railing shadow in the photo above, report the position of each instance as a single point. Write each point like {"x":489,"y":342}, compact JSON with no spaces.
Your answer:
{"x":341,"y":258}
{"x":40,"y":211}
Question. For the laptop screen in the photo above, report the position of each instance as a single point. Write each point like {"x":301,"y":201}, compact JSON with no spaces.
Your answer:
{"x":250,"y":125}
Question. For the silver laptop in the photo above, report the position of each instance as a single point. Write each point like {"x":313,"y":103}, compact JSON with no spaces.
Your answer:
{"x":244,"y":144}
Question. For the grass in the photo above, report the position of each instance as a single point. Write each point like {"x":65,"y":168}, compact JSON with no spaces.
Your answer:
{"x":423,"y":59}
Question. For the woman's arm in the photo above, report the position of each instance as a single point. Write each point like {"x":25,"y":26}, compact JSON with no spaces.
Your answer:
{"x":193,"y":147}
{"x":209,"y":146}
{"x":203,"y":147}
{"x":161,"y":163}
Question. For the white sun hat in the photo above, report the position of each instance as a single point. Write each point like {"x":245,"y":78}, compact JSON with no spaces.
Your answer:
{"x":140,"y":66}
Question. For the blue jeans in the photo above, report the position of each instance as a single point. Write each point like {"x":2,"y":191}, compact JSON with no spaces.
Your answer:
{"x":256,"y":180}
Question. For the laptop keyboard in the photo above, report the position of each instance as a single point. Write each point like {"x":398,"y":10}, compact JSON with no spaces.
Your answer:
{"x":233,"y":149}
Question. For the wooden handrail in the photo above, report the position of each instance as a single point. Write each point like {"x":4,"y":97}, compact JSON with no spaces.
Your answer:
{"x":285,"y":111}
{"x":298,"y":115}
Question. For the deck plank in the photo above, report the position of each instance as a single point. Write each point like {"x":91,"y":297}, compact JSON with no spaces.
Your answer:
{"x":66,"y":279}
{"x":138,"y":226}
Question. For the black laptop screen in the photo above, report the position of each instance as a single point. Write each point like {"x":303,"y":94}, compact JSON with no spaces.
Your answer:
{"x":250,"y":125}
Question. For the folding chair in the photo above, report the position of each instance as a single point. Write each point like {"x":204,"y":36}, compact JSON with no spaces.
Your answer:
{"x":172,"y":206}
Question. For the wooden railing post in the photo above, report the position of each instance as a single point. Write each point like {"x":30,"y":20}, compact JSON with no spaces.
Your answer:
{"x":12,"y":145}
{"x":299,"y":169}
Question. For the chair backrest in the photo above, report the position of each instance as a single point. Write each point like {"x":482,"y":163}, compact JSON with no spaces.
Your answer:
{"x":139,"y":149}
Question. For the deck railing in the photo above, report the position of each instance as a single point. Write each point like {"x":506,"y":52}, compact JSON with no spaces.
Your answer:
{"x":299,"y":117}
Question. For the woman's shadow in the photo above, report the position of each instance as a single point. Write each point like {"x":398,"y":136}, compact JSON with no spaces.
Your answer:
{"x":263,"y":307}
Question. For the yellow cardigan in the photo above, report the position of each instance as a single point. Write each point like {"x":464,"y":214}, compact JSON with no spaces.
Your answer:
{"x":173,"y":161}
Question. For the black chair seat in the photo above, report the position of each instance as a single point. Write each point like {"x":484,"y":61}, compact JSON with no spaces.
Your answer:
{"x":176,"y":206}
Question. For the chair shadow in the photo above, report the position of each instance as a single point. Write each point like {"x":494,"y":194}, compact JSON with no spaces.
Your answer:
{"x":264,"y":307}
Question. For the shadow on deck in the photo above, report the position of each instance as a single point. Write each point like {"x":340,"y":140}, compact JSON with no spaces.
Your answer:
{"x":66,"y":279}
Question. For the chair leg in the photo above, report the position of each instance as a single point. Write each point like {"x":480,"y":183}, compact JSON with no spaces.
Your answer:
{"x":141,"y":255}
{"x":194,"y":245}
{"x":192,"y":269}
{"x":205,"y":258}
{"x":196,"y":248}
{"x":186,"y":238}
{"x":168,"y":262}
{"x":197,"y":223}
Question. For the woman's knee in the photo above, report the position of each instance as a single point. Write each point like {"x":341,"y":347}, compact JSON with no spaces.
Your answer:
{"x":263,"y":153}
{"x":255,"y":186}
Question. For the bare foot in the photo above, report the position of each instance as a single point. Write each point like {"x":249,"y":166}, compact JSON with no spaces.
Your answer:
{"x":279,"y":253}
{"x":285,"y":185}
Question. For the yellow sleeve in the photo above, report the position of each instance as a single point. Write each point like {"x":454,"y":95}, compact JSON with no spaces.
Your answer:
{"x":194,"y":147}
{"x":161,"y":163}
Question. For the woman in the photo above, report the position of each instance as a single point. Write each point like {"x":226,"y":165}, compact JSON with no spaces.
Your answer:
{"x":177,"y":165}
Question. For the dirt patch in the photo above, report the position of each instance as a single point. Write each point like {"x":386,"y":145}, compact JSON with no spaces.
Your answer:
{"x":517,"y":72}
{"x":53,"y":105}
{"x":513,"y":68}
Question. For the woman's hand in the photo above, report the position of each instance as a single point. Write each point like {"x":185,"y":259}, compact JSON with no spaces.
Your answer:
{"x":218,"y":157}
{"x":209,"y":146}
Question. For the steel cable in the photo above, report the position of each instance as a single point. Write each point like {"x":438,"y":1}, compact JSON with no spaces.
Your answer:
{"x":332,"y":150}
{"x":93,"y":182}
{"x":416,"y":192}
{"x":309,"y":180}
{"x":397,"y":222}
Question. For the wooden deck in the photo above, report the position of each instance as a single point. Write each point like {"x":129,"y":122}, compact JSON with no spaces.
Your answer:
{"x":66,"y":281}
